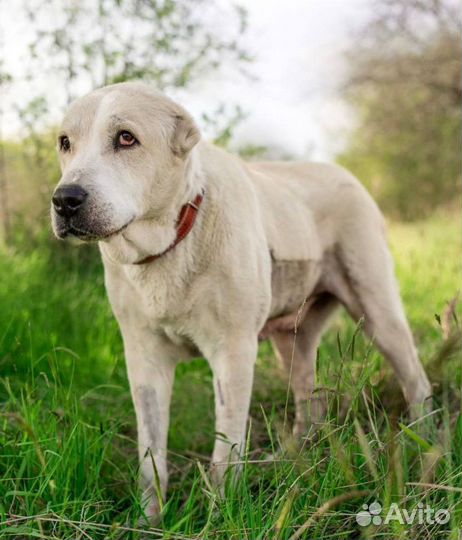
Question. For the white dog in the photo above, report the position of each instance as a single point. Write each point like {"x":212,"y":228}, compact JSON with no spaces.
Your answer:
{"x":204,"y":253}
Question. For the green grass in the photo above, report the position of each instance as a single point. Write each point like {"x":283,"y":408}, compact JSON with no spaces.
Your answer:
{"x":67,"y":429}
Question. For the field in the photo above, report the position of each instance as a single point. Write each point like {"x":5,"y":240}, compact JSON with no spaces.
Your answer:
{"x":68,"y":463}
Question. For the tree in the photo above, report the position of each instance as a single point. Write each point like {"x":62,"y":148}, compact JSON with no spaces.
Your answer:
{"x":169,"y":42}
{"x":84,"y":44}
{"x":5,"y":219}
{"x":405,"y":86}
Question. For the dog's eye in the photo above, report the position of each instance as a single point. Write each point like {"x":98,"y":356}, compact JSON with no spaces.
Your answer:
{"x":64,"y":143}
{"x":125,"y":138}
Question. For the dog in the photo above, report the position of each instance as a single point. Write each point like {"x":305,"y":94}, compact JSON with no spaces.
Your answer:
{"x":204,"y":254}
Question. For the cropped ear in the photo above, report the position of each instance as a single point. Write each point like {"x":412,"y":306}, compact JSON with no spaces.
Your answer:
{"x":185,"y":136}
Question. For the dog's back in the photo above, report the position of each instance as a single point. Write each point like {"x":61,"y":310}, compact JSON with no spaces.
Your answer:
{"x":309,"y":205}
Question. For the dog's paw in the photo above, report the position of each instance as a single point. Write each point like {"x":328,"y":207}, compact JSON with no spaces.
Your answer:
{"x":152,"y":511}
{"x":217,"y":472}
{"x":418,"y":411}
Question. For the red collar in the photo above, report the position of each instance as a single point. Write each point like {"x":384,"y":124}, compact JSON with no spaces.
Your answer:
{"x":184,"y":224}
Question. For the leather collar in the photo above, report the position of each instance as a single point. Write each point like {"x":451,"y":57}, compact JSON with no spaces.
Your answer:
{"x":184,"y":224}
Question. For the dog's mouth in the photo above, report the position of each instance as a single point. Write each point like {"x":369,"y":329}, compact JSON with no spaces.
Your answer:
{"x":86,"y":235}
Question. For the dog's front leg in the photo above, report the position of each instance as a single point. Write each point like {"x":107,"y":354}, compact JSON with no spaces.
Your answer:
{"x":151,"y":369}
{"x":232,"y":367}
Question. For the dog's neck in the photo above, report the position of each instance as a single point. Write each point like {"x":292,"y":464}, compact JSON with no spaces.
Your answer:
{"x":151,"y":236}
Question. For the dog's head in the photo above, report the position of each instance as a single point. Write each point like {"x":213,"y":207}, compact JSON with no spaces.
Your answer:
{"x":123,"y":150}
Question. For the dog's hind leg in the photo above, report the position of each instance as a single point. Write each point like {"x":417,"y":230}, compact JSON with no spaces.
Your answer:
{"x":297,"y":352}
{"x":367,"y":286}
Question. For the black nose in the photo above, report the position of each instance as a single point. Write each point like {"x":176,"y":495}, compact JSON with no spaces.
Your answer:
{"x":68,"y":199}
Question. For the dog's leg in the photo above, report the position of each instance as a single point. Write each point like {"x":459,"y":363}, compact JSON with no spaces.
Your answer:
{"x":232,"y":367}
{"x":151,"y":368}
{"x":368,"y":288}
{"x":297,"y":353}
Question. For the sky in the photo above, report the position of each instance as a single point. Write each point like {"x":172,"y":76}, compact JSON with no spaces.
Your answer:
{"x":295,"y":101}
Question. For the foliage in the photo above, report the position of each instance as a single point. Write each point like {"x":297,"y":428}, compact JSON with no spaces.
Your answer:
{"x":68,"y":464}
{"x":89,"y":44}
{"x":404,"y":84}
{"x":168,"y":42}
{"x":30,"y":170}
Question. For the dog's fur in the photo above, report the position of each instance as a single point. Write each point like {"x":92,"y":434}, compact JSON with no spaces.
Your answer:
{"x":275,"y":245}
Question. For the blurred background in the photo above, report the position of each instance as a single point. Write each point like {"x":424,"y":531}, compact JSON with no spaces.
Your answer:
{"x":374,"y":85}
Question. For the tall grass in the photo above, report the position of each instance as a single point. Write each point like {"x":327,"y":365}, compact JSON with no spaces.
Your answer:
{"x":68,"y":453}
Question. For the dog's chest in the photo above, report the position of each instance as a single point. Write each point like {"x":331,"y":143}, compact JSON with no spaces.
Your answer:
{"x":292,"y":281}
